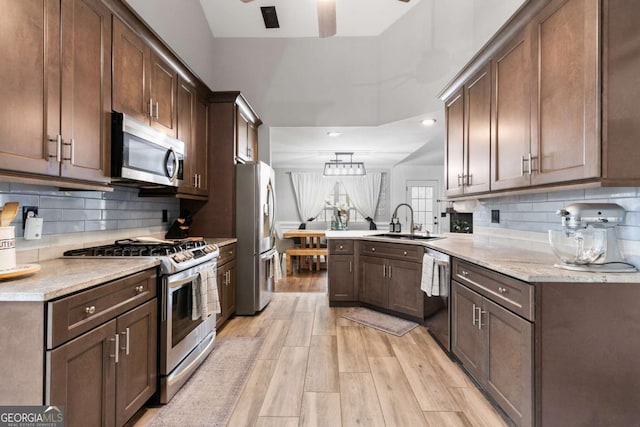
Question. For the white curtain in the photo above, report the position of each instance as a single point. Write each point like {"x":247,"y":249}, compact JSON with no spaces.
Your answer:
{"x":311,"y":190}
{"x":364,"y":192}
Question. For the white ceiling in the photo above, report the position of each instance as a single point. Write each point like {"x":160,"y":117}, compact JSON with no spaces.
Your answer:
{"x":299,"y":18}
{"x":375,"y":80}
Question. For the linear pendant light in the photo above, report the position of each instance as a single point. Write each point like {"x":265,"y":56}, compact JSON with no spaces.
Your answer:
{"x":339,"y":167}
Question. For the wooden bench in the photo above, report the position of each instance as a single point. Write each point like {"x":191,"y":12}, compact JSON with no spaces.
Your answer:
{"x":305,"y":252}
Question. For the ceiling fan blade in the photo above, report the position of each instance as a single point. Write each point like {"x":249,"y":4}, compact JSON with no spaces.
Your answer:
{"x":327,"y":18}
{"x":406,"y":1}
{"x":249,"y":1}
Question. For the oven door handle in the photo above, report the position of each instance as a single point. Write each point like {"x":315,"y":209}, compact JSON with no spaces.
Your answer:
{"x":173,"y":284}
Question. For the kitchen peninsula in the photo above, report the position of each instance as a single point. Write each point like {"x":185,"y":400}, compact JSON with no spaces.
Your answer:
{"x":538,"y":339}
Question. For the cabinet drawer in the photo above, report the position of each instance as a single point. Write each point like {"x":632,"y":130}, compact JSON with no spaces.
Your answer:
{"x":227,"y":253}
{"x":410,"y":253}
{"x":510,"y":293}
{"x":71,"y":316}
{"x":340,"y":247}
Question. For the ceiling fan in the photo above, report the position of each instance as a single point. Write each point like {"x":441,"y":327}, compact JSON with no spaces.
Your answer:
{"x":326,"y":17}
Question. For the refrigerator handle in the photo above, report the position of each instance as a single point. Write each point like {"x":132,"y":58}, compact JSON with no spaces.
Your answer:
{"x":271,"y":202}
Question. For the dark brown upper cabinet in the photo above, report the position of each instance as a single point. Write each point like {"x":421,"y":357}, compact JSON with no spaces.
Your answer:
{"x":144,"y":85}
{"x":56,"y":91}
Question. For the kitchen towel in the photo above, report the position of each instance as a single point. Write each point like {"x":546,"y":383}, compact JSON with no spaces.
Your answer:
{"x":430,"y":282}
{"x":205,"y":294}
{"x":276,"y":268}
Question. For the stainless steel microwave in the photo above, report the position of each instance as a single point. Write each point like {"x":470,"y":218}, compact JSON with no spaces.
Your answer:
{"x":143,"y":155}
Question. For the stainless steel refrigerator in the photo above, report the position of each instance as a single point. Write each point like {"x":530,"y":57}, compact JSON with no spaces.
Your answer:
{"x":255,"y":230}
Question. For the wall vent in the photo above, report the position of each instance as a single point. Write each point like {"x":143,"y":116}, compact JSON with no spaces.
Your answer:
{"x":270,"y":16}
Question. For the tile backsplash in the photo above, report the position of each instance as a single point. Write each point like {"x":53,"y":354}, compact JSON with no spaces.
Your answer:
{"x":80,"y":217}
{"x":535,"y":214}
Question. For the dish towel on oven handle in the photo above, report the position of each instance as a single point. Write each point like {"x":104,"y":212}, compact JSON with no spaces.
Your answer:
{"x":206,"y":300}
{"x":430,"y":282}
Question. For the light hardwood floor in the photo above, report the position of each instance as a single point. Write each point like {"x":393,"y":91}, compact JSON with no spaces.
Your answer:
{"x":319,"y":369}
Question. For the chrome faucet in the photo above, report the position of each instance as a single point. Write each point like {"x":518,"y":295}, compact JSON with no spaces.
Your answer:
{"x":395,"y":215}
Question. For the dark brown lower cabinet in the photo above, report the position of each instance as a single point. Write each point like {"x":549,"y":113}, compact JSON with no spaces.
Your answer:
{"x":341,"y":278}
{"x":102,"y":380}
{"x":226,"y":280}
{"x":391,"y":284}
{"x":496,"y":347}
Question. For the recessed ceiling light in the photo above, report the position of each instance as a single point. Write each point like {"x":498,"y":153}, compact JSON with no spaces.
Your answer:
{"x":334,"y":133}
{"x":428,"y":122}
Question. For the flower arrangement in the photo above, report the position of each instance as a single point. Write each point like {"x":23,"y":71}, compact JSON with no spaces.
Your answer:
{"x":340,"y":220}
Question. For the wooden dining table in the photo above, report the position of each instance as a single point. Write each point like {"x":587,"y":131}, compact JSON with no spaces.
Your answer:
{"x":309,"y":246}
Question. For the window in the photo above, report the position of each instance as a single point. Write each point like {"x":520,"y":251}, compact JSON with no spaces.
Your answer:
{"x":339,"y":197}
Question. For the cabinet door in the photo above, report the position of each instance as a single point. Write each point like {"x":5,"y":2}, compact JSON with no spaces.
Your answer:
{"x":252,"y":143}
{"x":231,"y":290}
{"x":565,"y":136}
{"x":82,"y":375}
{"x":86,"y":89}
{"x":405,"y":295}
{"x":466,"y":339}
{"x":30,"y":89}
{"x":202,"y":147}
{"x":186,"y":134}
{"x":372,"y":281}
{"x":509,"y":364}
{"x":242,"y":137}
{"x":341,"y":278}
{"x":162,"y":89}
{"x":137,"y":367}
{"x":477,"y":157}
{"x":130,"y":73}
{"x":221,"y":281}
{"x":454,"y":156}
{"x":511,"y":140}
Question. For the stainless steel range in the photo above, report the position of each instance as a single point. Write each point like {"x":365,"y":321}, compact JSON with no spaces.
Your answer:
{"x":184,"y":342}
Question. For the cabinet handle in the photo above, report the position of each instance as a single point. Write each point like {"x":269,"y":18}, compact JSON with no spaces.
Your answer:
{"x":58,"y":141}
{"x":384,"y":270}
{"x":157,"y":110}
{"x":460,"y":183}
{"x":526,"y":159}
{"x":116,"y":356}
{"x":350,"y":267}
{"x":502,"y":290}
{"x":151,"y":107}
{"x":473,"y":316}
{"x":480,"y":313}
{"x":90,"y":310}
{"x":139,"y":289}
{"x":126,"y":341}
{"x":469,"y":179}
{"x":389,"y":272}
{"x":72,"y":150}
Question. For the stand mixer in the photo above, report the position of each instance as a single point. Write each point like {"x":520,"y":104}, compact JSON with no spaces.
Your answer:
{"x":588,"y":240}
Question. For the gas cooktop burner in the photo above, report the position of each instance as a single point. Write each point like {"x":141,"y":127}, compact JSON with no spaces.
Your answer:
{"x":175,"y":255}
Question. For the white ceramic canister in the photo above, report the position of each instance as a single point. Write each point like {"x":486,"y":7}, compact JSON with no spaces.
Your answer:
{"x":7,"y":248}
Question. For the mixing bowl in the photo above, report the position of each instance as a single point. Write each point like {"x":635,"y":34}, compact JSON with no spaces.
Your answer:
{"x":579,"y":246}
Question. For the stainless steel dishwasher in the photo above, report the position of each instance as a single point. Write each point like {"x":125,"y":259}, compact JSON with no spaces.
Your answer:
{"x":436,"y":308}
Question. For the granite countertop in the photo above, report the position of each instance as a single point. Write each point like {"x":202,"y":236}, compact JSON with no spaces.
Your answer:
{"x":525,"y":260}
{"x":62,"y":276}
{"x":221,"y":241}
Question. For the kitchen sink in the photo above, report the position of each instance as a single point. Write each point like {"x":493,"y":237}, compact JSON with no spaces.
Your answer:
{"x":401,"y":236}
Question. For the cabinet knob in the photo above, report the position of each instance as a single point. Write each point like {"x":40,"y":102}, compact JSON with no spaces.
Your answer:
{"x":373,"y":249}
{"x":340,"y":247}
{"x":404,"y":253}
{"x":502,"y":290}
{"x":465,"y":273}
{"x":139,"y":289}
{"x":90,"y":310}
